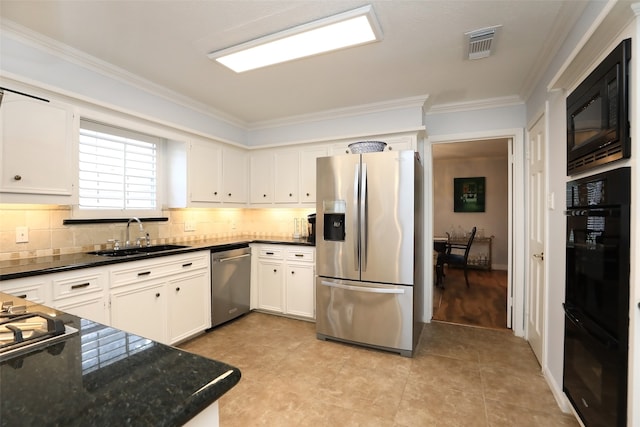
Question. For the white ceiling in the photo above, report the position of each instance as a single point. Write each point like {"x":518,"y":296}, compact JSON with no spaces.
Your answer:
{"x":422,"y":53}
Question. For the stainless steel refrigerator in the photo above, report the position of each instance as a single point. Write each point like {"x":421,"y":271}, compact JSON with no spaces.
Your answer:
{"x":369,"y":260}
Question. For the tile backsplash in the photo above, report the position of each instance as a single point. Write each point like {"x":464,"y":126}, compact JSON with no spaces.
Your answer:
{"x":48,"y":236}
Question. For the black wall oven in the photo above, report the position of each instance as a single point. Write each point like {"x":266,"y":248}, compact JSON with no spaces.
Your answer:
{"x":597,"y":297}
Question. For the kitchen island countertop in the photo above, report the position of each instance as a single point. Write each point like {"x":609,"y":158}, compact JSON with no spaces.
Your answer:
{"x":102,"y":376}
{"x":25,"y":267}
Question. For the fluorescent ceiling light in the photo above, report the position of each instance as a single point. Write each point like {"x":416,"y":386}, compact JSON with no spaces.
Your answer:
{"x":347,"y":29}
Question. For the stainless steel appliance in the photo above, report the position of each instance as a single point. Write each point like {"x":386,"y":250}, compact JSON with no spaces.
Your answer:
{"x":597,"y":297}
{"x":27,"y":327}
{"x":230,"y":283}
{"x":369,"y":249}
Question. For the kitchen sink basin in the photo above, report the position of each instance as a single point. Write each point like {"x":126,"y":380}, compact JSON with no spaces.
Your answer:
{"x":136,"y":251}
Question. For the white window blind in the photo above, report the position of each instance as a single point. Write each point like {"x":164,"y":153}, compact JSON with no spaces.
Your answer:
{"x":118,"y":168}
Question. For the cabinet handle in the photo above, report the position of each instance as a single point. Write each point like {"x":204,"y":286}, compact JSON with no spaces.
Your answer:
{"x":145,"y":273}
{"x":264,"y":195}
{"x":157,"y":294}
{"x":293,"y":272}
{"x":308,"y":194}
{"x":189,"y":264}
{"x":290,"y":194}
{"x":80,"y":286}
{"x":178,"y":289}
{"x":22,"y":296}
{"x":215,"y":193}
{"x":17,"y":178}
{"x":269,"y":253}
{"x":346,"y":151}
{"x":299,"y":255}
{"x":229,"y":194}
{"x":275,"y":270}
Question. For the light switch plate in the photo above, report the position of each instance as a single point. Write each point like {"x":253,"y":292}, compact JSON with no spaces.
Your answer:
{"x":22,"y":234}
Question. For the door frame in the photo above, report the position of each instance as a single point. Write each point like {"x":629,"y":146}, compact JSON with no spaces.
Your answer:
{"x":517,"y":219}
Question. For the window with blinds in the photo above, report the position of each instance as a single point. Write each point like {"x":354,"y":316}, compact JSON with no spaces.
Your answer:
{"x":117,"y":168}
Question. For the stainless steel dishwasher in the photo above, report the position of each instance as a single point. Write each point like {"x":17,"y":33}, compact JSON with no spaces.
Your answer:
{"x":230,"y":283}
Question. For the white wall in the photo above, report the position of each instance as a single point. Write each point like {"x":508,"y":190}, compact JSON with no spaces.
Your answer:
{"x":494,"y":221}
{"x":553,"y":104}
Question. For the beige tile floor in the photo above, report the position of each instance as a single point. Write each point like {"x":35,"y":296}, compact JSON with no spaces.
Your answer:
{"x":459,"y":376}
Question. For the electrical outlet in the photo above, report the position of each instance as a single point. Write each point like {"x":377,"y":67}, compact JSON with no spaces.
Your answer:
{"x":189,"y":226}
{"x":22,"y":234}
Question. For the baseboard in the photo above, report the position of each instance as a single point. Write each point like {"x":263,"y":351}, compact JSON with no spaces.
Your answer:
{"x":558,"y":394}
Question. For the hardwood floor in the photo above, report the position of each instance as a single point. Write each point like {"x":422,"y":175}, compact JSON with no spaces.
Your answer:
{"x":483,"y":303}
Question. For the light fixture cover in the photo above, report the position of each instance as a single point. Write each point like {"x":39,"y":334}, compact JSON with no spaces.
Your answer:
{"x":352,"y":28}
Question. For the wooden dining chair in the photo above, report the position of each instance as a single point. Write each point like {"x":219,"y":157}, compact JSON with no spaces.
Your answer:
{"x":457,"y":255}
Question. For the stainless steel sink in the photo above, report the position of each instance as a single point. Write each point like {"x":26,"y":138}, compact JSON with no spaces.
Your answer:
{"x":136,"y":251}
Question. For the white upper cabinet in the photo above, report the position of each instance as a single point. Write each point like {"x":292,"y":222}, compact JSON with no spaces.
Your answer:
{"x":287,"y":176}
{"x":205,"y":174}
{"x":234,"y":175}
{"x":262,"y":187}
{"x":36,"y":142}
{"x":308,"y":173}
{"x":205,"y":179}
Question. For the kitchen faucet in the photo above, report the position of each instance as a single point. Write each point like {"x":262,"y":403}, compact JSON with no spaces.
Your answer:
{"x":127,"y":242}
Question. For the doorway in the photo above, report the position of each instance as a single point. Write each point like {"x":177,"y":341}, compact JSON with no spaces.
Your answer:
{"x":484,"y":302}
{"x":472,"y":150}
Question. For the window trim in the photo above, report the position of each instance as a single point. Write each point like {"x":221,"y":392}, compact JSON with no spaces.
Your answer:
{"x":136,"y":130}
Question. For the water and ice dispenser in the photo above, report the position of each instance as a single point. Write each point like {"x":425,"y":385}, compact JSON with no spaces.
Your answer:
{"x":334,"y":215}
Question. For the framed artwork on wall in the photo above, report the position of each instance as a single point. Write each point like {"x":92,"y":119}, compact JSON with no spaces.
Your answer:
{"x":469,"y":194}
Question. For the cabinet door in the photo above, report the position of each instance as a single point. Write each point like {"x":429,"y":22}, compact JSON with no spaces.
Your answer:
{"x":188,"y":305}
{"x":286,"y":172}
{"x":141,"y":311}
{"x":270,"y":284}
{"x":205,"y":172}
{"x":93,"y":308}
{"x":308,"y":174}
{"x":234,"y":176}
{"x":36,"y":147}
{"x":299,"y":286}
{"x":261,"y":168}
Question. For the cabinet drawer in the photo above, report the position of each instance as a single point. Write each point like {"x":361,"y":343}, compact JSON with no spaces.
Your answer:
{"x":302,"y":254}
{"x":136,"y":271}
{"x":29,"y":289}
{"x":270,"y":253}
{"x":79,"y":285}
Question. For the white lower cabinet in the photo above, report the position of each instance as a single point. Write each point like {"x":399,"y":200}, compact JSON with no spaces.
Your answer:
{"x":166,"y":299}
{"x":82,"y":293}
{"x":141,"y":310}
{"x":285,"y":279}
{"x":187,"y":313}
{"x":270,"y":285}
{"x":300,"y":295}
{"x":35,"y":289}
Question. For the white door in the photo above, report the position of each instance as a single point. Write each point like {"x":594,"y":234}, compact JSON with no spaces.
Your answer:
{"x":536,"y":280}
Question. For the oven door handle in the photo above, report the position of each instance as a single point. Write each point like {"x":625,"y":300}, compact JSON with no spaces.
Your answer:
{"x":601,"y":336}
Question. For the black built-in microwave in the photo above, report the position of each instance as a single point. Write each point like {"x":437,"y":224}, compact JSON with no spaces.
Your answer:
{"x":598,"y":114}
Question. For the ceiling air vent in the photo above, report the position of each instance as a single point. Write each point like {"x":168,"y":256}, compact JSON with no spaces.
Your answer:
{"x":480,"y":42}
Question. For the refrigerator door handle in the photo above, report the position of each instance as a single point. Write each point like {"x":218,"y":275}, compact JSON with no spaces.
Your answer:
{"x":363,"y":219}
{"x":356,"y":241}
{"x":363,"y":288}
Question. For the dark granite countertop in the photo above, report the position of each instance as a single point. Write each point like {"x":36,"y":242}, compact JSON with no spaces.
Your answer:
{"x":18,"y":268}
{"x":102,"y":376}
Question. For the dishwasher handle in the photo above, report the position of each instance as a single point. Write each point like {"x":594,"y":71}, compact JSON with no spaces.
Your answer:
{"x":231,"y":258}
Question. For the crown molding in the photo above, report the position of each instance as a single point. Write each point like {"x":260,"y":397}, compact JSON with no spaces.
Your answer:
{"x":77,"y":57}
{"x":481,"y":104}
{"x":358,"y":110}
